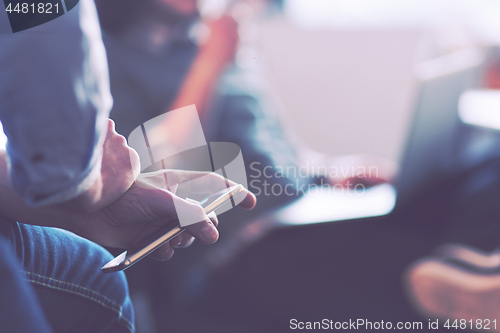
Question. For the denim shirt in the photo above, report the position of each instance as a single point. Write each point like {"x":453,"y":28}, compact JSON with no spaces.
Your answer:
{"x":54,"y":104}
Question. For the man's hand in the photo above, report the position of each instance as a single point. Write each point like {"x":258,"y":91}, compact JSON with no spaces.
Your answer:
{"x":366,"y":170}
{"x":120,"y":167}
{"x":148,"y":206}
{"x":126,"y":210}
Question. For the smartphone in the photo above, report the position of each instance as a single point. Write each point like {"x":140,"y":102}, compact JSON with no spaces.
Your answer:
{"x":132,"y":256}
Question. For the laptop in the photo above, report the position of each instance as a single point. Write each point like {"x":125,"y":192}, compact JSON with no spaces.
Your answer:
{"x":431,"y":149}
{"x":429,"y":154}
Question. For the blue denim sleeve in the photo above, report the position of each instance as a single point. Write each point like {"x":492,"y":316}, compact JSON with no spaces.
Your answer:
{"x":54,"y":104}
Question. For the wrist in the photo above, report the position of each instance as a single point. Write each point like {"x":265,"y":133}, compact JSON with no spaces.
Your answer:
{"x":88,"y":199}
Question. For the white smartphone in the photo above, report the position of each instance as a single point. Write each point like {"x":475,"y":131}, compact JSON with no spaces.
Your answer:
{"x":132,"y":256}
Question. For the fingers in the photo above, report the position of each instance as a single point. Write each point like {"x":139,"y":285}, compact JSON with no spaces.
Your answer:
{"x":166,"y":251}
{"x":198,"y":182}
{"x":205,"y":231}
{"x":209,"y":182}
{"x":250,"y":200}
{"x":213,"y":217}
{"x":182,"y":241}
{"x":186,"y":238}
{"x":363,"y":170}
{"x":213,"y":182}
{"x":187,"y":241}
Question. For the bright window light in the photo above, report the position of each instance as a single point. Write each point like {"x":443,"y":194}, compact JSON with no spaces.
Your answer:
{"x":480,"y":108}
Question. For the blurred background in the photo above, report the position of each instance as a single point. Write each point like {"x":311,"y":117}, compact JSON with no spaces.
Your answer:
{"x":345,"y":70}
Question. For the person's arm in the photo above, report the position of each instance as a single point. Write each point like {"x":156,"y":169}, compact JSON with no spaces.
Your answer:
{"x":54,"y":105}
{"x":14,"y":208}
{"x":66,"y":166}
{"x":140,"y":211}
{"x":118,"y":169}
{"x":213,"y":57}
{"x":198,"y":86}
{"x":122,"y":215}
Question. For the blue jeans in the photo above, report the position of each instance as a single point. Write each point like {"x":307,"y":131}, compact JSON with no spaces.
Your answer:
{"x":64,"y":271}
